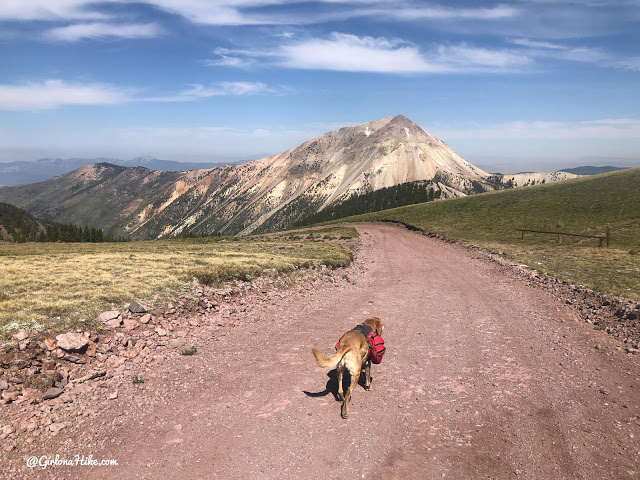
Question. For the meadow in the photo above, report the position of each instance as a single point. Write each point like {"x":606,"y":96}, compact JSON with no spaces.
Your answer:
{"x":582,"y":206}
{"x":60,"y":285}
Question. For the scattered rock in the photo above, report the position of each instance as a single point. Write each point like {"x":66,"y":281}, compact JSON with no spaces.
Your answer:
{"x":106,"y":316}
{"x":135,"y":307}
{"x":3,"y":385}
{"x":52,"y":393}
{"x":56,"y":427}
{"x":21,"y":335}
{"x":72,"y":342}
{"x":73,"y":359}
{"x":145,"y":318}
{"x":161,"y":332}
{"x":50,"y":343}
{"x":130,"y":324}
{"x":113,"y":396}
{"x":632,"y":252}
{"x":113,"y":323}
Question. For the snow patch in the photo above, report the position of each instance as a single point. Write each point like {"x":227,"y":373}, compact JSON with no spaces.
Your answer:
{"x":406,"y":130}
{"x":367,"y":132}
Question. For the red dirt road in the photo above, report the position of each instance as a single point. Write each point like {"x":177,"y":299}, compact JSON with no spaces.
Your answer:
{"x":484,"y":377}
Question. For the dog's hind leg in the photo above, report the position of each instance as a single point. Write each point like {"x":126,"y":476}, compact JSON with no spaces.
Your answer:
{"x":339,"y":372}
{"x":354,"y":371}
{"x":367,"y":375}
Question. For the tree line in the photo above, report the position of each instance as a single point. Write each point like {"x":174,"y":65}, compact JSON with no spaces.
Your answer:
{"x":24,"y":227}
{"x":389,"y":197}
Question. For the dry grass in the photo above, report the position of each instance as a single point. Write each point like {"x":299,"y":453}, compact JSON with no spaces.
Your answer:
{"x":61,"y":285}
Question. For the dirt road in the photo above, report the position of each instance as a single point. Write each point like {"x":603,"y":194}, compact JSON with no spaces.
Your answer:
{"x":484,"y":377}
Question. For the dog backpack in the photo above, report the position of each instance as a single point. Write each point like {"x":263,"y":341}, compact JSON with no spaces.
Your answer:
{"x":375,"y":341}
{"x":376,"y":347}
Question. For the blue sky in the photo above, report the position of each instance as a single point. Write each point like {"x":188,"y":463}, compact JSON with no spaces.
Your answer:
{"x":522,"y":85}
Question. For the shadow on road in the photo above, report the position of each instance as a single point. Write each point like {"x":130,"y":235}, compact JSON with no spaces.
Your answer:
{"x":332,"y":384}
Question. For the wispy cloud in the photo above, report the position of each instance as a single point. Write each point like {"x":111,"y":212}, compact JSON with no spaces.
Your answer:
{"x":51,"y":94}
{"x":582,"y":54}
{"x":414,"y":14}
{"x":80,"y":31}
{"x":57,"y":93}
{"x":256,"y":12}
{"x":220,"y":89}
{"x":50,"y":10}
{"x":604,"y":129}
{"x":352,"y":53}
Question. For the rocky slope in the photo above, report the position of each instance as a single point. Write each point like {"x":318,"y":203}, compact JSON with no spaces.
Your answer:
{"x":266,"y":194}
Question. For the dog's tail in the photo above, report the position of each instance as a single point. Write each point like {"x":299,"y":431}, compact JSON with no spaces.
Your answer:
{"x":331,"y":361}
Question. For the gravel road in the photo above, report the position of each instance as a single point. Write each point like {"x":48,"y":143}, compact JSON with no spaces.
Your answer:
{"x":484,"y":377}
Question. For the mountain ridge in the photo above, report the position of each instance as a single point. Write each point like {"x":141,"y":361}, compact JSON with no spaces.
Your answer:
{"x":265,"y":194}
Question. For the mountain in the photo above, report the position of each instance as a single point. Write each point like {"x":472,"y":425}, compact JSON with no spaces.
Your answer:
{"x":589,"y":170}
{"x":22,"y":173}
{"x":266,"y":194}
{"x":16,"y":223}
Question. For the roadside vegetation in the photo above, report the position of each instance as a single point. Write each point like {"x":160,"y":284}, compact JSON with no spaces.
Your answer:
{"x":582,"y":206}
{"x":60,"y":285}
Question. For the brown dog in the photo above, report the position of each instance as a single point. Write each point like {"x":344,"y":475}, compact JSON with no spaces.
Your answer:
{"x":352,"y":352}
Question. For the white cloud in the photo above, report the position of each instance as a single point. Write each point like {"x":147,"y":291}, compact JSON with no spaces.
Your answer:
{"x":49,"y":10}
{"x":524,"y":42}
{"x":230,"y":61}
{"x":51,"y":94}
{"x":57,"y":93}
{"x":351,"y":53}
{"x":220,"y":89}
{"x":558,"y":51}
{"x":603,"y":129}
{"x":81,"y":31}
{"x":250,"y":12}
{"x":631,"y":63}
{"x":444,"y":13}
{"x":227,"y":88}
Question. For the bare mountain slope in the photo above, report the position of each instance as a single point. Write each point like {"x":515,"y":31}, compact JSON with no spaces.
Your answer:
{"x":269,"y":193}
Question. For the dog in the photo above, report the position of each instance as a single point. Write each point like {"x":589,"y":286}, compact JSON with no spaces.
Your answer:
{"x":353,"y":351}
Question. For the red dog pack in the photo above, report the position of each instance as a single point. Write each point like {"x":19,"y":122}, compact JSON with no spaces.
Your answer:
{"x":375,"y":341}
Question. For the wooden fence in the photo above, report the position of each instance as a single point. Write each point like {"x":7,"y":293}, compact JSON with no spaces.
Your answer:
{"x":602,"y":237}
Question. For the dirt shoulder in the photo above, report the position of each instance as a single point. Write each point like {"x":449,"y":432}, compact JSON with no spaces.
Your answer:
{"x":485,"y":376}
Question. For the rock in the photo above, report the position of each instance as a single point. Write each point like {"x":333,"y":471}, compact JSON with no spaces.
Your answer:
{"x":161,"y":332}
{"x":73,"y":359}
{"x":72,"y":342}
{"x":632,"y":252}
{"x":7,"y":447}
{"x":50,"y":343}
{"x":9,"y":397}
{"x":106,"y":316}
{"x":6,"y":431}
{"x":21,"y":335}
{"x":130,"y":324}
{"x":145,"y":318}
{"x":113,"y":323}
{"x":135,"y":307}
{"x":52,"y":393}
{"x":3,"y":385}
{"x":56,"y":427}
{"x":113,"y":396}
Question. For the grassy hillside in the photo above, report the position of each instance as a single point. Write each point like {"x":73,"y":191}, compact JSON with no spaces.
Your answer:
{"x":584,"y":206}
{"x":58,"y":285}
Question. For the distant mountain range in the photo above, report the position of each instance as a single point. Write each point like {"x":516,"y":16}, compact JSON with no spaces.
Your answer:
{"x":22,"y":173}
{"x":263,"y":195}
{"x":588,"y":170}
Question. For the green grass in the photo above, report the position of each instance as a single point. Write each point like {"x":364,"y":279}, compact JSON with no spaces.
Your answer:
{"x":62,"y":285}
{"x":583,"y":206}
